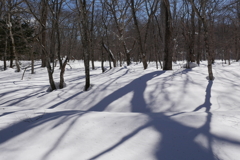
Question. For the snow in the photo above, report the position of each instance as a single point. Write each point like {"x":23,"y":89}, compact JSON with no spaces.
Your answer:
{"x":190,"y":65}
{"x":128,"y":114}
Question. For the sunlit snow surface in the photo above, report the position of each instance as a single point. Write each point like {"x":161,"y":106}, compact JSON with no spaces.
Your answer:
{"x":128,"y":114}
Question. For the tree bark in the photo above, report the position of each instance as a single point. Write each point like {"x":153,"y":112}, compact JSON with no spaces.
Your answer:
{"x":139,"y":39}
{"x":13,"y":43}
{"x":85,"y":41}
{"x":198,"y":42}
{"x":102,"y":60}
{"x":167,"y":65}
{"x":206,"y":36}
{"x":209,"y":58}
{"x":91,"y":36}
{"x":50,"y":76}
{"x":43,"y":21}
{"x":110,"y":54}
{"x":192,"y":41}
{"x":61,"y":84}
{"x":5,"y":54}
{"x":32,"y":61}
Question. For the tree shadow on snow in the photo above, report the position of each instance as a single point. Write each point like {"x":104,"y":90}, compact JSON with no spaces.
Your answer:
{"x":20,"y":96}
{"x":177,"y":140}
{"x":80,"y":92}
{"x":137,"y":86}
{"x":27,"y":124}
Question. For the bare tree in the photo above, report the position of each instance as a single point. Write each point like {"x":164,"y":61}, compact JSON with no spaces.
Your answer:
{"x":119,"y":11}
{"x":3,"y":26}
{"x":43,"y":27}
{"x":84,"y":28}
{"x":134,"y":6}
{"x":167,"y":30}
{"x":92,"y":33}
{"x":10,"y":6}
{"x":188,"y":31}
{"x":202,"y":15}
{"x":42,"y":40}
{"x":106,"y":32}
{"x":56,"y":8}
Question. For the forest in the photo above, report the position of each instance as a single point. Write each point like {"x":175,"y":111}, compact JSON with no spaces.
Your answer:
{"x":118,"y":31}
{"x":119,"y":80}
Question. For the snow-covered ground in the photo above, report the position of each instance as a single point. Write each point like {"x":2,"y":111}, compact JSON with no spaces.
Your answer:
{"x":128,"y":114}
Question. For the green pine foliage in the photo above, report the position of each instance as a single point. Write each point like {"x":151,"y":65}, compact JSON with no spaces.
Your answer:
{"x":23,"y":37}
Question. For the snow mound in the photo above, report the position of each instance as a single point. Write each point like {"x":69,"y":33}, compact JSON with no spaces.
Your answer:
{"x":191,"y":65}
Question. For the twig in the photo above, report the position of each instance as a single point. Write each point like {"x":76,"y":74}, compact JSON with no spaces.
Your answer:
{"x":24,"y":71}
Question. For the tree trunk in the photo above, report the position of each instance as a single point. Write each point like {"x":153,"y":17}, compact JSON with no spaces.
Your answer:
{"x":57,"y":31}
{"x":85,"y":41}
{"x":120,"y":59}
{"x":5,"y":54}
{"x":128,"y":57}
{"x":13,"y":43}
{"x":209,"y":58}
{"x":206,"y":36}
{"x":92,"y":57}
{"x":87,"y":71}
{"x":109,"y":60}
{"x":237,"y":43}
{"x":139,"y":39}
{"x":237,"y":30}
{"x":11,"y":58}
{"x":52,"y":44}
{"x":102,"y":61}
{"x":192,"y":41}
{"x":91,"y":36}
{"x":198,"y":42}
{"x":50,"y":76}
{"x":159,"y":59}
{"x":59,"y":46}
{"x":43,"y":21}
{"x":32,"y":61}
{"x":61,"y":84}
{"x":111,"y":56}
{"x":167,"y":65}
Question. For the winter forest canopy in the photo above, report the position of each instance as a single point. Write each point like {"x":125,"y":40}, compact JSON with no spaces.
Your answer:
{"x":118,"y":31}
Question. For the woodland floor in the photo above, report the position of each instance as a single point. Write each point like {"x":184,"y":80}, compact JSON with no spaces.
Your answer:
{"x":128,"y":114}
